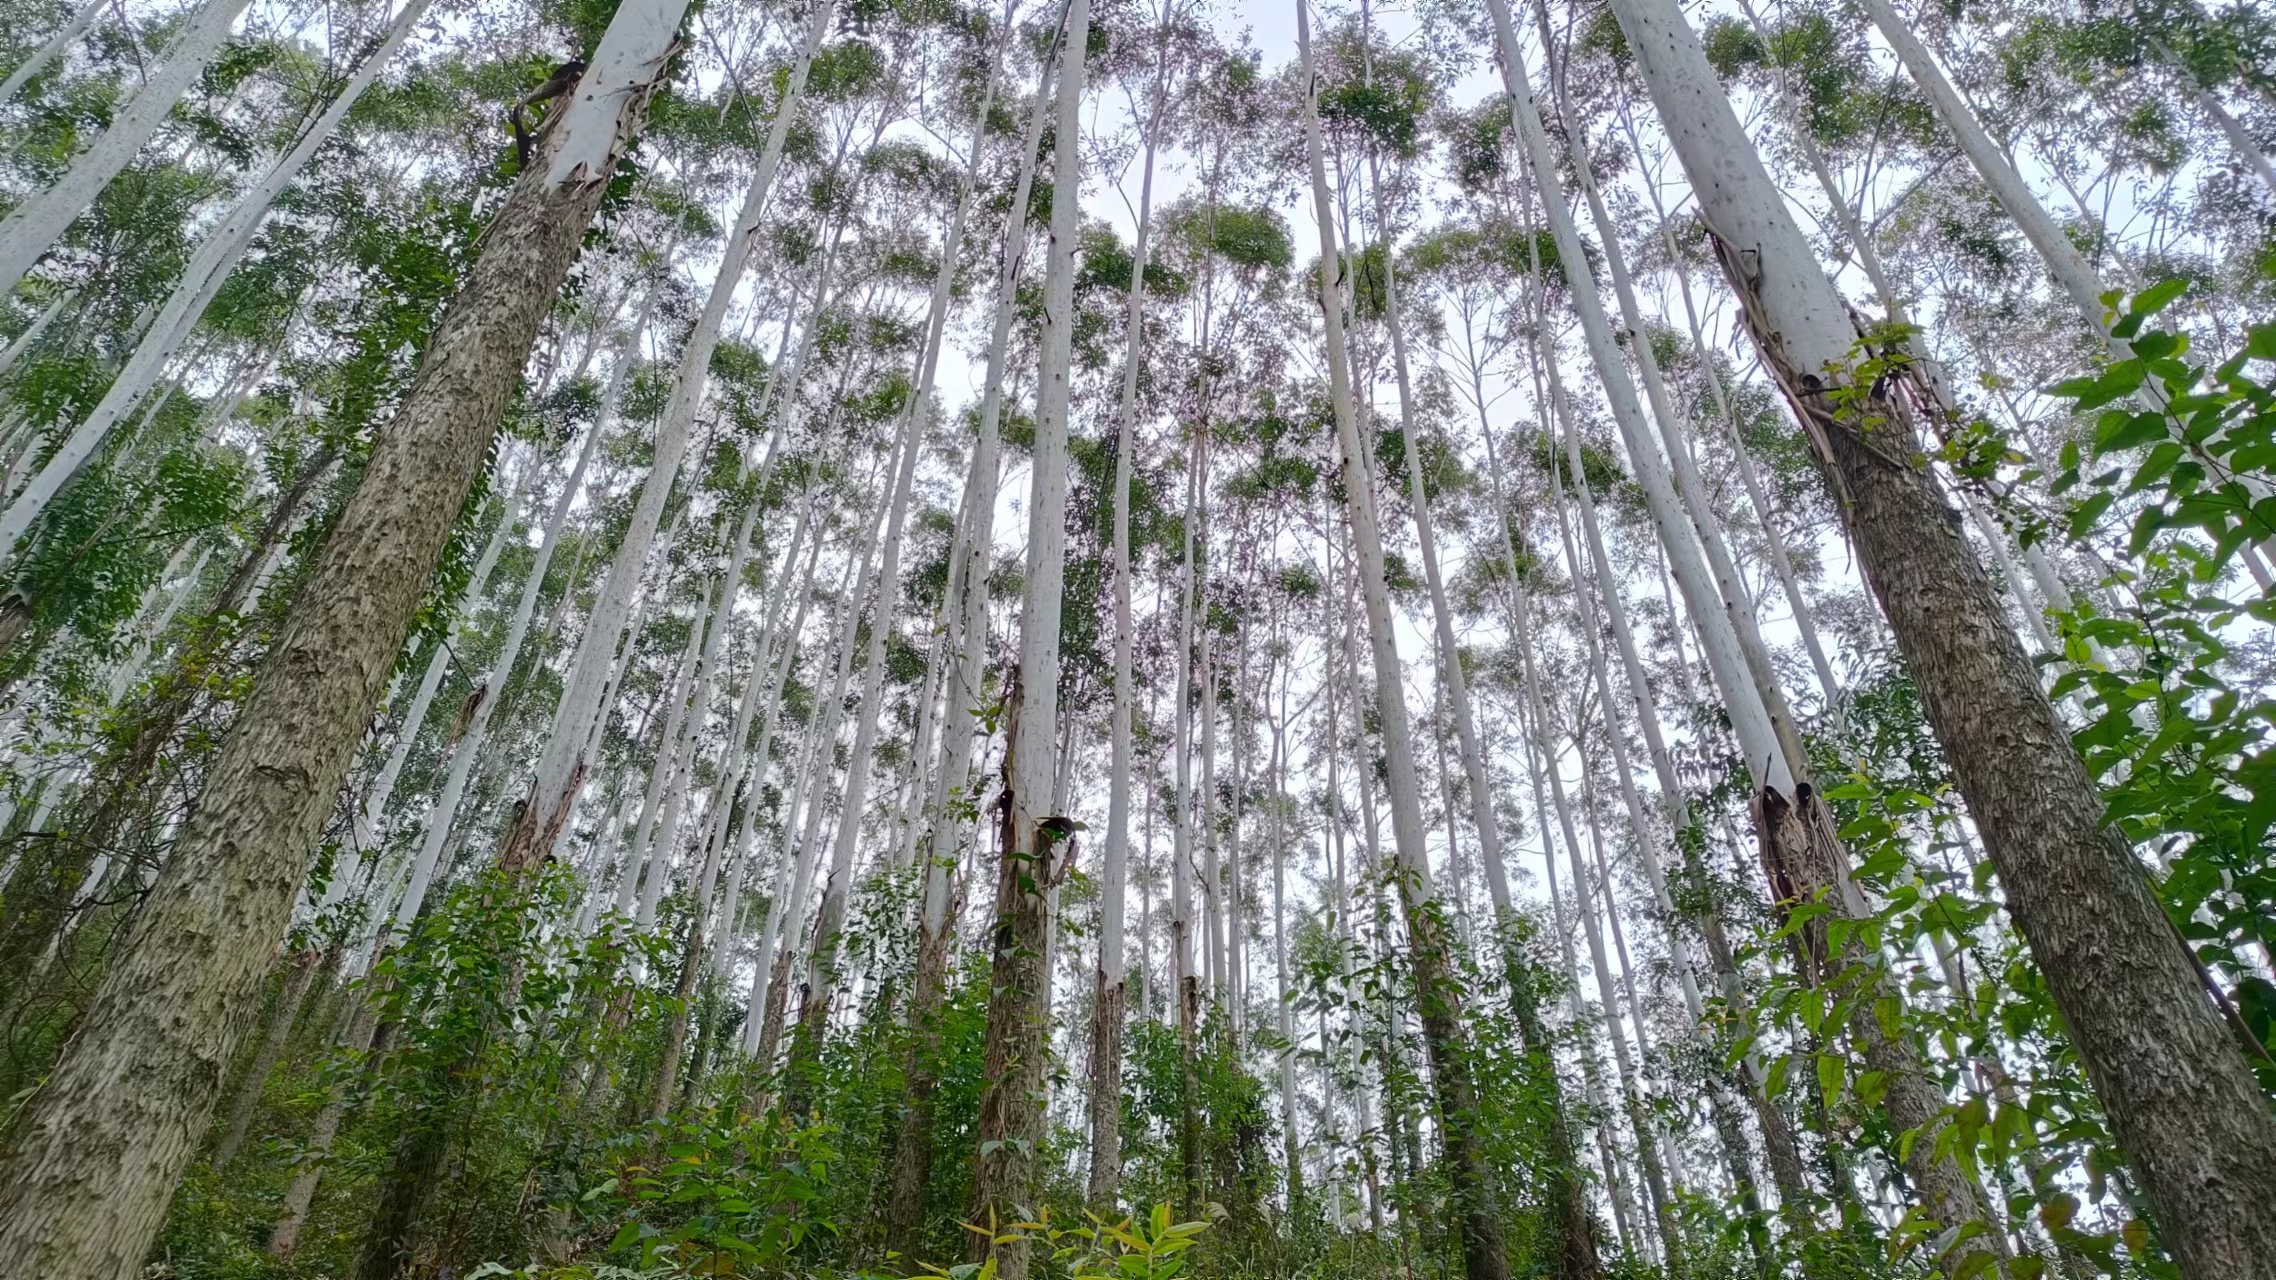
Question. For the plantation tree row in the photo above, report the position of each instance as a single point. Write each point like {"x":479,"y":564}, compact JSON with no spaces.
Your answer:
{"x":1077,"y":638}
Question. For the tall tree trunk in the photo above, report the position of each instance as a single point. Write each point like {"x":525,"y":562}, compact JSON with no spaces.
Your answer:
{"x":300,"y":975}
{"x":1110,"y":991}
{"x":1038,"y":845}
{"x":217,"y":254}
{"x":34,"y":225}
{"x":95,"y":1154}
{"x":552,"y":796}
{"x":2181,"y":1099}
{"x":1438,"y":993}
{"x":968,"y":592}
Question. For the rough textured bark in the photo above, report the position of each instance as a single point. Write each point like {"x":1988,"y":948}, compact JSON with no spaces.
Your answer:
{"x":2181,"y":1099}
{"x":96,"y":1153}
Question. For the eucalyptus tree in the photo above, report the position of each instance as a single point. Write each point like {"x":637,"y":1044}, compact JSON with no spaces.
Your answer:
{"x":559,"y":776}
{"x":32,"y":227}
{"x":2180,"y":1096}
{"x":1037,"y":844}
{"x":208,"y":270}
{"x":1484,"y":1256}
{"x":140,"y":1065}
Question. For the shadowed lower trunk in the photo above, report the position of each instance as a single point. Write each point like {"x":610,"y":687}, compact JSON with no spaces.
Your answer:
{"x":96,"y":1154}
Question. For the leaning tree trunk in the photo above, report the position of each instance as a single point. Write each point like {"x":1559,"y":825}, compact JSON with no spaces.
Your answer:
{"x":1038,"y":845}
{"x":217,"y":254}
{"x":53,"y":49}
{"x":39,"y":221}
{"x":552,"y":796}
{"x":1469,"y":1180}
{"x":2180,"y":1096}
{"x":96,"y":1153}
{"x":39,"y":896}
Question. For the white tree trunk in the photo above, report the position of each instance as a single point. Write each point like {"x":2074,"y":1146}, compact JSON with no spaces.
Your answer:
{"x":216,"y":256}
{"x":560,"y":770}
{"x":788,"y":909}
{"x":39,"y":221}
{"x":30,"y":337}
{"x":52,"y":50}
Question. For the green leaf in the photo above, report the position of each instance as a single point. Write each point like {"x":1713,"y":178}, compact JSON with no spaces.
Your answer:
{"x":2157,"y":297}
{"x":2128,"y":431}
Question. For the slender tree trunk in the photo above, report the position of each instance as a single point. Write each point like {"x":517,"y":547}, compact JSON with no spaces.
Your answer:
{"x":52,"y":50}
{"x":1470,"y":1182}
{"x":217,"y":254}
{"x":283,"y":1018}
{"x":1111,"y":992}
{"x":1016,"y":1052}
{"x":34,"y":225}
{"x":537,"y":827}
{"x":96,"y":1153}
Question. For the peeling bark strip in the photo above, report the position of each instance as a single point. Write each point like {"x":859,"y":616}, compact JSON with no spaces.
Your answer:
{"x":2179,"y":1094}
{"x":97,"y":1152}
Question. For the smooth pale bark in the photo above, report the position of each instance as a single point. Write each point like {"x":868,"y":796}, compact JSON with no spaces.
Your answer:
{"x":822,"y":958}
{"x":1778,"y":1138}
{"x":1670,"y":1241}
{"x":1457,"y":682}
{"x":755,"y":765}
{"x":790,"y":908}
{"x":1037,"y":844}
{"x":96,"y":1153}
{"x":1469,"y":1180}
{"x":1110,"y":989}
{"x":463,"y":753}
{"x":559,"y":777}
{"x":1185,"y":986}
{"x":1541,"y":759}
{"x":24,"y":342}
{"x":2181,"y":1098}
{"x":1806,"y":863}
{"x":374,"y":808}
{"x":968,"y":593}
{"x":764,"y":686}
{"x":1292,"y":1132}
{"x":37,"y":223}
{"x":653,"y":842}
{"x":216,"y":256}
{"x":52,"y":50}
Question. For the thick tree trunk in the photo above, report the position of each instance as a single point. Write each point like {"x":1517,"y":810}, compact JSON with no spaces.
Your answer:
{"x":2181,"y":1099}
{"x":96,"y":1153}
